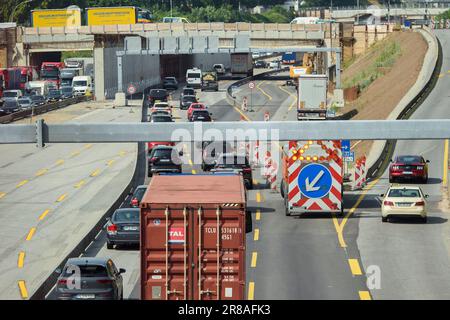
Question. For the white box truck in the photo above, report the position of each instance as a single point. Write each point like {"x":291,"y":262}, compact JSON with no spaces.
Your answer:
{"x":312,"y":97}
{"x":241,"y":65}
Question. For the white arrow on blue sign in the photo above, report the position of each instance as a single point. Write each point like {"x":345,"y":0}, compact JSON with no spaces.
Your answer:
{"x":314,"y":181}
{"x":345,"y":145}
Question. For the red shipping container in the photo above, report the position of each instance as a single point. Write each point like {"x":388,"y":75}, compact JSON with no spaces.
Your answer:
{"x":193,"y":238}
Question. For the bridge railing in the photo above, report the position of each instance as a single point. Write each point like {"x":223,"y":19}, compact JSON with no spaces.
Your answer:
{"x":177,"y":28}
{"x":413,"y":5}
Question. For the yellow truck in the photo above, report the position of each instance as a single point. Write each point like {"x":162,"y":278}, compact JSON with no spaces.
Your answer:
{"x":116,"y":15}
{"x":67,"y":17}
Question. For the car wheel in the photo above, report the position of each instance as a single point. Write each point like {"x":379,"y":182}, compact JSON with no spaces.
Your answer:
{"x":384,"y":219}
{"x":109,"y":245}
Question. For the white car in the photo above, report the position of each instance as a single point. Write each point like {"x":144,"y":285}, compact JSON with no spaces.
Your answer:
{"x":404,"y":201}
{"x":161,"y":106}
{"x":220,"y":68}
{"x":274,"y":64}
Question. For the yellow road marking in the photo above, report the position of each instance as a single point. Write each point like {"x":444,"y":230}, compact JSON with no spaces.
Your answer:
{"x":21,"y":259}
{"x":294,"y":103}
{"x":445,"y":173}
{"x":290,"y":94}
{"x":21,"y":183}
{"x":263,"y":92}
{"x":194,"y":172}
{"x":254,"y":258}
{"x":41,"y":172}
{"x":30,"y":234}
{"x":255,"y":182}
{"x":62,"y":197}
{"x":75,"y":153}
{"x":122,"y":153}
{"x":2,"y":194}
{"x":364,"y":295}
{"x":256,"y":235}
{"x":441,"y":75}
{"x":79,"y":184}
{"x":60,"y":162}
{"x":88,"y":146}
{"x":242,"y":114}
{"x":95,"y":173}
{"x":258,"y":197}
{"x":190,"y":162}
{"x":23,"y":289}
{"x":354,"y":267}
{"x":110,"y":163}
{"x":258,"y":215}
{"x":44,"y":214}
{"x":340,"y":227}
{"x":251,"y":291}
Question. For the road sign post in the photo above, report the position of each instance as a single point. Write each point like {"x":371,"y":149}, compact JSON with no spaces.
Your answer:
{"x":251,"y":85}
{"x":131,"y":90}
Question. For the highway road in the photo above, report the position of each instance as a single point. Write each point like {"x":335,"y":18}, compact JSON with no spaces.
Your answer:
{"x":413,"y":258}
{"x":51,"y":197}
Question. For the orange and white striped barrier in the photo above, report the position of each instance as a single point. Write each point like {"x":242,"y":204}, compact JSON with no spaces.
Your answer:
{"x":359,"y":174}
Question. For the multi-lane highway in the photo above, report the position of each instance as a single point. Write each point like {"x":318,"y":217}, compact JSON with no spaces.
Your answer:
{"x":50,"y":197}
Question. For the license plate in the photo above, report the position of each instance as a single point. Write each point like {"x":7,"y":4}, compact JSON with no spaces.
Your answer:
{"x":164,"y":160}
{"x":130,"y":228}
{"x":403,"y":204}
{"x":201,"y":118}
{"x":407,"y":172}
{"x":86,"y":296}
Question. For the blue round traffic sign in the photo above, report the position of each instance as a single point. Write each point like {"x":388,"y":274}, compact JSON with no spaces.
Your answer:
{"x":314,"y":180}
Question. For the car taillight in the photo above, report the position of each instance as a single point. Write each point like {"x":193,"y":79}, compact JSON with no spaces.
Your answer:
{"x":247,"y":170}
{"x":62,"y":281}
{"x":388,"y":203}
{"x":134,"y":202}
{"x":112,"y":229}
{"x":395,"y":167}
{"x":420,"y":203}
{"x":154,"y":159}
{"x":104,"y":281}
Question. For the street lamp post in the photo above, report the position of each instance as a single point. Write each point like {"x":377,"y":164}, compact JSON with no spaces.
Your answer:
{"x":11,"y":17}
{"x":171,"y":12}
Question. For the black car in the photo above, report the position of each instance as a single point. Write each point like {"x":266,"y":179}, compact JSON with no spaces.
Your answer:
{"x":260,"y":64}
{"x":54,"y":95}
{"x":231,"y":161}
{"x":10,"y":106}
{"x":211,"y":150}
{"x":155,"y":95}
{"x":164,"y":159}
{"x":90,"y":279}
{"x":161,"y":118}
{"x":38,"y":100}
{"x":170,"y":83}
{"x":186,"y":101}
{"x":187,"y":91}
{"x":201,"y":115}
{"x":136,"y":197}
{"x":123,"y":227}
{"x":67,"y":92}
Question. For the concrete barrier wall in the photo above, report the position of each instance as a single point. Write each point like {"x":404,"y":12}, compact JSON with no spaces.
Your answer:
{"x":139,"y":70}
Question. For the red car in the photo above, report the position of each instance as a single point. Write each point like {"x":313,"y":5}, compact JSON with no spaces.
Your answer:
{"x":195,"y":106}
{"x":409,"y":167}
{"x":151,"y":145}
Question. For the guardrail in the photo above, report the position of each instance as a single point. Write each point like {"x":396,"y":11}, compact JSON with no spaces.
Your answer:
{"x":42,"y":109}
{"x":412,"y":5}
{"x":137,"y":179}
{"x":380,"y":165}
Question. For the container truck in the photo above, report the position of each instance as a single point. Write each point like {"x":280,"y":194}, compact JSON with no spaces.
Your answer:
{"x":312,"y":174}
{"x":291,"y":57}
{"x":193,"y":230}
{"x":67,"y":17}
{"x":28,"y":73}
{"x":241,"y":65}
{"x":100,"y":16}
{"x":312,"y":97}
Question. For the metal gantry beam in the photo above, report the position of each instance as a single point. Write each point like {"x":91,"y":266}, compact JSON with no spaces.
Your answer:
{"x":239,"y":131}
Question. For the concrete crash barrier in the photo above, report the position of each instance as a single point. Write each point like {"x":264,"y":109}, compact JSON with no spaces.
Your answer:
{"x":42,"y":109}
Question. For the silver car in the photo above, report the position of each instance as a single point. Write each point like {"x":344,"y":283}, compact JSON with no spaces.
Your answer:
{"x":90,"y":279}
{"x":25,"y":102}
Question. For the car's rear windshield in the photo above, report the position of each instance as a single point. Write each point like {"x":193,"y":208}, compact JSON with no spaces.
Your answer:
{"x":161,"y":119}
{"x":193,"y":75}
{"x":163,"y":153}
{"x":189,"y":92}
{"x":139,"y":193}
{"x":202,"y":113}
{"x":35,"y":97}
{"x":158,"y":93}
{"x":409,"y":159}
{"x":127,"y":216}
{"x":189,"y":99}
{"x":24,"y":100}
{"x":404,"y":193}
{"x":93,"y":271}
{"x":10,"y":94}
